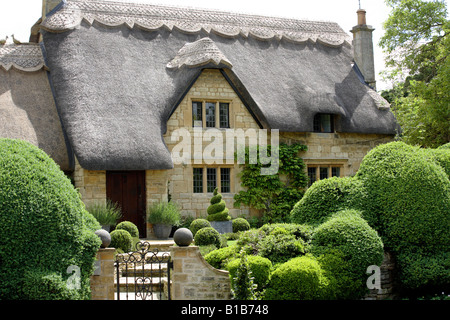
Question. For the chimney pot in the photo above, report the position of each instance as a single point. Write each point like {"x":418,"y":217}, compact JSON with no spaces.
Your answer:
{"x":361,"y":17}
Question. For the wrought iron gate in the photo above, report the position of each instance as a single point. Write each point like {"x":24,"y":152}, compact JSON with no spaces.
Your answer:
{"x":143,"y":274}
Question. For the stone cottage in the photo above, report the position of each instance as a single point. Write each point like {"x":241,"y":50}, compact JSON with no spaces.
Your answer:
{"x":115,"y":91}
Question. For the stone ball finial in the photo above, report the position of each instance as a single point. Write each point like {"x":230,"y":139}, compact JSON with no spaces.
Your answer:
{"x":104,"y":236}
{"x":183,"y":237}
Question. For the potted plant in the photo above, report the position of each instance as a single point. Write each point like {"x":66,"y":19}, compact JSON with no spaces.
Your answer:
{"x":163,"y":216}
{"x":107,"y":213}
{"x":218,"y":214}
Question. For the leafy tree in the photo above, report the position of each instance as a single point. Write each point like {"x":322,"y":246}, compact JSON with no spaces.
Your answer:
{"x":275,"y":194}
{"x":417,"y":45}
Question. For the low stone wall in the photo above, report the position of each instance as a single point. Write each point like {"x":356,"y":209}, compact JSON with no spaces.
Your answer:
{"x":195,"y":279}
{"x":102,"y":282}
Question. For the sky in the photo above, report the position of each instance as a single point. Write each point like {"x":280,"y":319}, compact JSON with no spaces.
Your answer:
{"x":18,"y":16}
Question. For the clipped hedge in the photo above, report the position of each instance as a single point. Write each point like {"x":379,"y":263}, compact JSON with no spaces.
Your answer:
{"x":130,"y":227}
{"x":281,"y":247}
{"x":353,"y":246}
{"x":259,"y":266}
{"x":207,"y":236}
{"x":198,"y":224}
{"x":45,"y":228}
{"x":347,"y":232}
{"x":326,"y":197}
{"x":300,"y":278}
{"x":220,"y":257}
{"x":408,"y":197}
{"x":403,"y":192}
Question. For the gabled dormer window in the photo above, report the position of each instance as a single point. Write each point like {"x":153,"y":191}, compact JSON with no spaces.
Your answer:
{"x":216,"y":114}
{"x":324,"y":122}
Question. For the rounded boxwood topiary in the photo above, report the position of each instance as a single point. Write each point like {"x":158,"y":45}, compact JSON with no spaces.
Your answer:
{"x":408,"y":200}
{"x":217,"y":211}
{"x":301,"y":278}
{"x":259,"y":266}
{"x":240,"y":224}
{"x":207,"y":236}
{"x":45,"y":229}
{"x":326,"y":197}
{"x":349,"y":233}
{"x":121,"y":239}
{"x":220,"y":257}
{"x":198,"y":224}
{"x":130,"y":227}
{"x":360,"y":246}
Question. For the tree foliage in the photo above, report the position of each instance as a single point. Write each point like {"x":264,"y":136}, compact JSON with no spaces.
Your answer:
{"x":417,"y":44}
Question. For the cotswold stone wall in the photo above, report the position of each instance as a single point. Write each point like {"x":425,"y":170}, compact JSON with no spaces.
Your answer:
{"x":211,"y":86}
{"x":194,"y":279}
{"x":91,"y":184}
{"x":102,"y":281}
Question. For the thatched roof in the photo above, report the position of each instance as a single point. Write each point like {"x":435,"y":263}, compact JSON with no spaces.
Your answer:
{"x":27,"y":108}
{"x":120,"y":69}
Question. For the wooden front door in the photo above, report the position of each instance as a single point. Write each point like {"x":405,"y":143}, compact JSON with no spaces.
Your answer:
{"x":127,"y":188}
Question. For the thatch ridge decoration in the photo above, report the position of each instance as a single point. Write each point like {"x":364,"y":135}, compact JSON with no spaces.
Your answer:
{"x":199,"y":53}
{"x":153,"y":17}
{"x":24,"y":57}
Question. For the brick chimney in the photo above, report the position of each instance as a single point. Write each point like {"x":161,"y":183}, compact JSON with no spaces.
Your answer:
{"x":363,"y":48}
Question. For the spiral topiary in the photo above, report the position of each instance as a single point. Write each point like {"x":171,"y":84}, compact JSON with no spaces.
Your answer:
{"x":217,"y":211}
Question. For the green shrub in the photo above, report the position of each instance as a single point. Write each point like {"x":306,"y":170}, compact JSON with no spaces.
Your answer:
{"x":198,"y":224}
{"x":347,"y":232}
{"x":207,"y":236}
{"x":326,"y":197}
{"x":301,"y":278}
{"x":240,"y":224}
{"x":250,"y":239}
{"x":343,"y":283}
{"x":402,"y":191}
{"x":121,"y":239}
{"x":217,"y":211}
{"x":445,"y":146}
{"x":106,"y":213}
{"x":259,"y":266}
{"x":300,"y":231}
{"x":441,"y":156}
{"x":220,"y":257}
{"x":44,"y":225}
{"x":281,"y":247}
{"x":242,"y":284}
{"x":351,"y":238}
{"x":130,"y":227}
{"x":422,"y":272}
{"x":41,"y":285}
{"x":408,"y":198}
